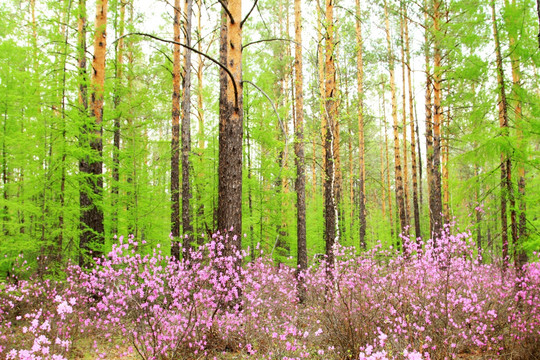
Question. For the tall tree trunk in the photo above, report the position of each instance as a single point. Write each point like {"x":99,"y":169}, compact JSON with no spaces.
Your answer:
{"x":445,"y":173}
{"x":187,"y":226}
{"x":419,"y":149}
{"x":200,"y":115}
{"x":416,"y":208}
{"x":399,"y":180}
{"x":388,"y":192}
{"x":321,"y":72}
{"x":132,"y":192}
{"x":361,"y":145}
{"x":119,"y":62}
{"x":175,"y":141}
{"x":61,"y":225}
{"x":478,"y":212}
{"x":330,"y":107}
{"x":230,"y":122}
{"x":506,"y":164}
{"x":435,"y":188}
{"x":429,"y":126}
{"x":520,"y":256}
{"x":92,"y":237}
{"x":404,"y":120}
{"x":299,"y":149}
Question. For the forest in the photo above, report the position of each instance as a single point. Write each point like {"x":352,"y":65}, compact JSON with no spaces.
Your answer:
{"x":273,"y":179}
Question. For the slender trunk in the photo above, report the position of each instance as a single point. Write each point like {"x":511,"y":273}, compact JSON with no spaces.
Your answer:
{"x":200,"y":115}
{"x":60,"y":240}
{"x":506,"y":165}
{"x":436,"y":201}
{"x":361,"y":145}
{"x":416,"y":208}
{"x":321,"y":72}
{"x":5,"y":179}
{"x":187,"y":226}
{"x":418,"y":148}
{"x":330,"y":111}
{"x":478,"y":212}
{"x":299,"y":149}
{"x":445,"y":174}
{"x":175,"y":144}
{"x":398,"y":173}
{"x":249,"y":175}
{"x":520,"y":256}
{"x":230,"y":123}
{"x":83,"y":110}
{"x":404,"y":122}
{"x":132,"y":194}
{"x":119,"y":50}
{"x":388,"y":192}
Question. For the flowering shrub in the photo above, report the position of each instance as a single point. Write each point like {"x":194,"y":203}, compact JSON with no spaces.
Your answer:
{"x":432,"y":303}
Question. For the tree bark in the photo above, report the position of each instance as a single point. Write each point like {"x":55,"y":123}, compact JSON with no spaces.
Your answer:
{"x":416,"y":208}
{"x":436,"y":200}
{"x":330,"y":107}
{"x":175,"y":145}
{"x":361,"y":145}
{"x":92,"y":236}
{"x":229,"y":211}
{"x":404,"y":120}
{"x":398,"y":173}
{"x":520,"y":256}
{"x":429,"y":127}
{"x":299,"y":150}
{"x":119,"y":50}
{"x":445,"y":173}
{"x":506,"y":164}
{"x":187,"y":226}
{"x":388,"y":192}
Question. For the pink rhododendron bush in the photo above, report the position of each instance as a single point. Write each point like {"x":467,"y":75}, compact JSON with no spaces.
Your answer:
{"x":438,"y":302}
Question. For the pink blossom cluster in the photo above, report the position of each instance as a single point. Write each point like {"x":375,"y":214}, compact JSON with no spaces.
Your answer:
{"x":435,"y":302}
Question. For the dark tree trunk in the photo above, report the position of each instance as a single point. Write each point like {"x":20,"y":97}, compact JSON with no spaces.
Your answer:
{"x":175,"y":145}
{"x":506,"y":164}
{"x":330,"y":105}
{"x":398,"y":171}
{"x":187,"y":226}
{"x":229,"y":212}
{"x":361,"y":145}
{"x":119,"y":50}
{"x":92,"y":234}
{"x":416,"y":208}
{"x":435,"y":189}
{"x":300,"y":184}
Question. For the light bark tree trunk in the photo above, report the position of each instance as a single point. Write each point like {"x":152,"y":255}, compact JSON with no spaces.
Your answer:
{"x":416,"y":208}
{"x":398,"y":172}
{"x":361,"y":140}
{"x":330,"y":111}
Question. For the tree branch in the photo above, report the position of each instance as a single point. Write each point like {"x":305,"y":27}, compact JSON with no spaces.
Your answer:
{"x":267,"y":40}
{"x":195,"y":51}
{"x":227,"y":11}
{"x":273,"y":106}
{"x":249,"y":13}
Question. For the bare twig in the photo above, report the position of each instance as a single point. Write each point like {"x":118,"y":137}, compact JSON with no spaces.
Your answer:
{"x":195,"y":51}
